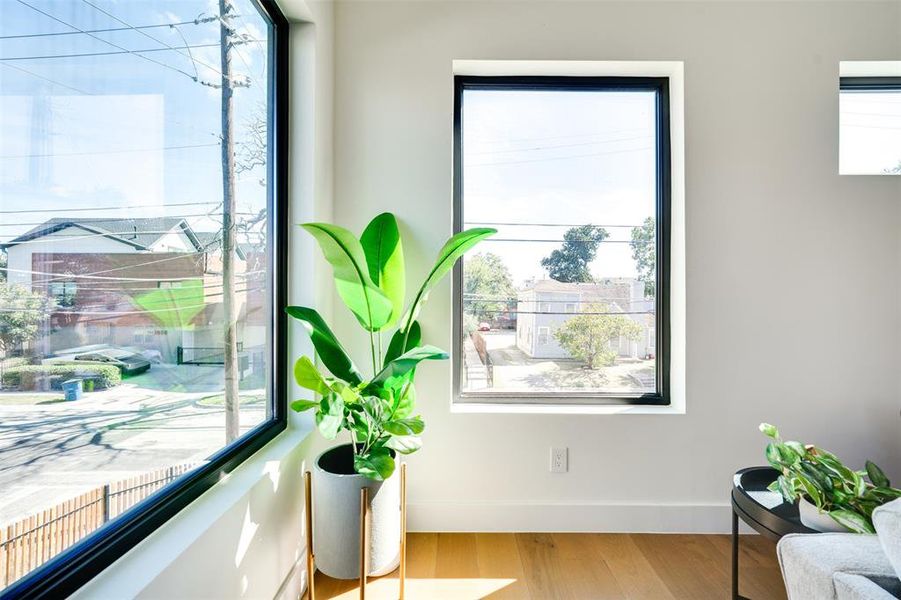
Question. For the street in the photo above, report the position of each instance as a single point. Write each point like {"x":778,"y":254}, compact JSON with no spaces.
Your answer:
{"x":52,"y":452}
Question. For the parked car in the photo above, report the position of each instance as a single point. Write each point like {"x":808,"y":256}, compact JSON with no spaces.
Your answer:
{"x":484,"y":326}
{"x":129,"y":363}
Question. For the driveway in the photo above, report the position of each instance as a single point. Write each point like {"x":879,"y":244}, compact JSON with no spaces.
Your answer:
{"x":514,"y":370}
{"x":51,"y":452}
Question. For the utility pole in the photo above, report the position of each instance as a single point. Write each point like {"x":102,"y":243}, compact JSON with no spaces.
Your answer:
{"x":229,"y":300}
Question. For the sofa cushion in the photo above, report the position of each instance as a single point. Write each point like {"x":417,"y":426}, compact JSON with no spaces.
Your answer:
{"x":859,"y":587}
{"x":809,"y":562}
{"x":887,"y":520}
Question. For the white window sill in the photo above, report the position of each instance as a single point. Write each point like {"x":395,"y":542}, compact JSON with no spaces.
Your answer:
{"x":565,"y":409}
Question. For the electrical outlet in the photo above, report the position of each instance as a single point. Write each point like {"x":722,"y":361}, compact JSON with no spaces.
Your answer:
{"x":559,"y":460}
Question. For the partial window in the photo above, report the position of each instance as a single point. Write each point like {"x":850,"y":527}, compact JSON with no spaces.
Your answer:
{"x":574,"y":174}
{"x":139,"y":223}
{"x":870,"y":126}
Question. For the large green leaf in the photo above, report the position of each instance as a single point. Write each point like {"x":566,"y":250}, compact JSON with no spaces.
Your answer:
{"x":852,"y":521}
{"x":406,"y":362}
{"x":302,"y":405}
{"x":395,"y":348}
{"x":405,"y":401}
{"x":385,"y":261}
{"x":453,"y":249}
{"x":344,"y":252}
{"x":876,"y":475}
{"x":405,"y":444}
{"x":330,"y":416}
{"x":308,"y":376}
{"x":377,"y":464}
{"x":412,"y":426}
{"x":327,"y":346}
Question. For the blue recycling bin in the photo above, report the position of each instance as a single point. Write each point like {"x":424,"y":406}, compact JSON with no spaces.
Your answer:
{"x":73,"y":389}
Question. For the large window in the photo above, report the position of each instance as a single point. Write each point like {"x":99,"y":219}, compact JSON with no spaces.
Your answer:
{"x":142,"y":190}
{"x":568,"y":303}
{"x":870,"y":125}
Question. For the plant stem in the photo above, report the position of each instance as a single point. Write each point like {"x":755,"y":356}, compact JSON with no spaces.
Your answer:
{"x":372,"y":352}
{"x":380,"y":346}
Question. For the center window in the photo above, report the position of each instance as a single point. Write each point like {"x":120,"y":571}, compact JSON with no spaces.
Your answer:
{"x":568,"y":303}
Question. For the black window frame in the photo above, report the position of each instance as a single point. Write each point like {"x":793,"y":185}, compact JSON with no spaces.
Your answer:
{"x":658,"y":85}
{"x":870,"y":84}
{"x":68,"y":571}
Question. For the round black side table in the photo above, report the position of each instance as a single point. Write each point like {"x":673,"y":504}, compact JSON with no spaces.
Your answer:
{"x":764,"y":511}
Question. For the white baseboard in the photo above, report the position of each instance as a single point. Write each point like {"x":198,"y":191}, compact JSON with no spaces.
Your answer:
{"x":618,"y":518}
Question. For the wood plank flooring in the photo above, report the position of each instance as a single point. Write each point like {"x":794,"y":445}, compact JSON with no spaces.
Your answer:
{"x":572,"y":566}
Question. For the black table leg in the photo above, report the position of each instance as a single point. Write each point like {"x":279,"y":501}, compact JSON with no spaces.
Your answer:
{"x":735,"y":594}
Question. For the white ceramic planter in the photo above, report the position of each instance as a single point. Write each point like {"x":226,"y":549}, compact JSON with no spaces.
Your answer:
{"x":813,"y":518}
{"x":336,"y":517}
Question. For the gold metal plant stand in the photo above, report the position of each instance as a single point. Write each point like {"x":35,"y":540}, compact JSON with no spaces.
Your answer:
{"x":365,"y":518}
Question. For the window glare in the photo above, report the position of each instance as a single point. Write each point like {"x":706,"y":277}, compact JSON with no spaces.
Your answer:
{"x":870,"y":132}
{"x":118,"y":279}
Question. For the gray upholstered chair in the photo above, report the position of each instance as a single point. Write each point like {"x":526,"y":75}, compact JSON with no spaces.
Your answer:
{"x":845,"y":566}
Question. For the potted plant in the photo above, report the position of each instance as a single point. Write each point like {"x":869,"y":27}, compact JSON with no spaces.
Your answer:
{"x":376,"y":410}
{"x":830,"y":496}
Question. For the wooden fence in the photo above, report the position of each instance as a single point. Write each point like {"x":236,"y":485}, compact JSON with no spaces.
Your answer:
{"x":29,"y":543}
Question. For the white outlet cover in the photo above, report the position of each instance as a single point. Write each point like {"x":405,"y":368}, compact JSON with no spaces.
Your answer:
{"x":559,"y":460}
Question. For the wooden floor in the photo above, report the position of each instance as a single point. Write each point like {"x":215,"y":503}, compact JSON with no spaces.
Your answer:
{"x":573,"y":566}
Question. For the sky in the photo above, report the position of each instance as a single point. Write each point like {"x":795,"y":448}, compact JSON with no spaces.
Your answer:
{"x":113,"y":131}
{"x":558,"y":159}
{"x":870,"y":132}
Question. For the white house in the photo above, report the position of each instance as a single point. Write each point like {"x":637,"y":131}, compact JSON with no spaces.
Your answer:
{"x":547,"y":304}
{"x":96,"y":237}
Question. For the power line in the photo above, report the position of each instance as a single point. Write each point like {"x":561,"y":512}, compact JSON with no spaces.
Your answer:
{"x":73,"y":276}
{"x":560,"y":241}
{"x":510,"y":224}
{"x":109,"y":53}
{"x":47,"y":79}
{"x":518,"y":162}
{"x":535,"y":312}
{"x":60,"y":210}
{"x":558,"y":137}
{"x":155,"y":39}
{"x":121,"y":235}
{"x":474,"y":300}
{"x":197,"y":21}
{"x":147,"y":58}
{"x":535,"y":148}
{"x":104,"y":152}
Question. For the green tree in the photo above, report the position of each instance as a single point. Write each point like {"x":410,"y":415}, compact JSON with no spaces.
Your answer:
{"x":21,"y":315}
{"x":569,"y":263}
{"x":587,"y":336}
{"x":645,"y":255}
{"x":487,"y":286}
{"x":4,"y":261}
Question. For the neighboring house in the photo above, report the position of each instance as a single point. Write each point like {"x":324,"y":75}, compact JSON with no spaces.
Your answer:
{"x":547,"y":304}
{"x":151,"y":283}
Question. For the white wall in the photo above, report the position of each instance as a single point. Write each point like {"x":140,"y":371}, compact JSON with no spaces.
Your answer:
{"x":791,"y":269}
{"x":244,"y":537}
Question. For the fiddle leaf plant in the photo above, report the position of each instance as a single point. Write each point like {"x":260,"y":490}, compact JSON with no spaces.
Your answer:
{"x":370,"y":278}
{"x":848,"y":496}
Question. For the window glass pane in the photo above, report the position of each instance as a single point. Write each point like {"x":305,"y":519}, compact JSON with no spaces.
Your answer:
{"x":870,"y":132}
{"x":131,"y":314}
{"x":563,"y":299}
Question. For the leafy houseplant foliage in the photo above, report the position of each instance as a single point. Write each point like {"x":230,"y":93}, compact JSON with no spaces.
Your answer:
{"x":811,"y":472}
{"x":370,"y":278}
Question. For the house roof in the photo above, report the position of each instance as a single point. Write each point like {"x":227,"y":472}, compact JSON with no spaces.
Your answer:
{"x":141,"y":233}
{"x":210,"y":240}
{"x":551,"y":285}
